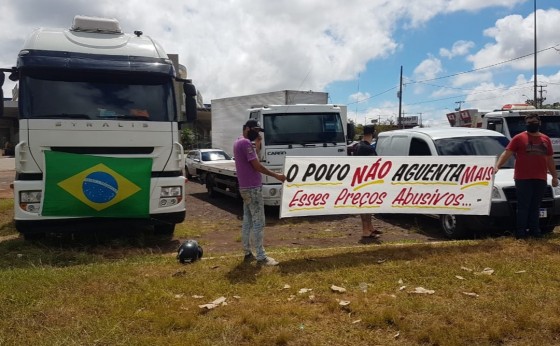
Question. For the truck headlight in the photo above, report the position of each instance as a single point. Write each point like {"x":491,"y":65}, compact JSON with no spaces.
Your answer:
{"x":30,"y":196}
{"x":170,"y":196}
{"x":556,"y":191}
{"x":30,"y":201}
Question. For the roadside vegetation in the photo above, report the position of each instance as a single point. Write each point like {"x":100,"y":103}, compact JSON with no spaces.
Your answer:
{"x":131,"y":290}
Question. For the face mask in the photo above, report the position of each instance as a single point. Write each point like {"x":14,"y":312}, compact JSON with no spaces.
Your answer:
{"x":252,"y":135}
{"x":533,"y":128}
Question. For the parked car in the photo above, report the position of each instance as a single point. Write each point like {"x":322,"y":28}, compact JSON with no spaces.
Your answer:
{"x":195,"y":158}
{"x":471,"y":141}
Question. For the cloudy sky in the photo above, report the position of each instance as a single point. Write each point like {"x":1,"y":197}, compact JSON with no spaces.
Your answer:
{"x":473,"y":53}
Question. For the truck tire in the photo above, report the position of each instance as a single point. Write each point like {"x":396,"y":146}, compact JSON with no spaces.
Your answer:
{"x":210,"y":186}
{"x":547,"y":229}
{"x":34,"y":236}
{"x":454,"y":226}
{"x":164,"y":229}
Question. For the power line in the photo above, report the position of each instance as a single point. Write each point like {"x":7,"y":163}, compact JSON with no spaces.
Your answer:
{"x":457,"y":74}
{"x":485,"y":67}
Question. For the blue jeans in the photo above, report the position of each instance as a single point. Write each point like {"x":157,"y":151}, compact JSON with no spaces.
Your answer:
{"x":530,"y":193}
{"x":253,"y":220}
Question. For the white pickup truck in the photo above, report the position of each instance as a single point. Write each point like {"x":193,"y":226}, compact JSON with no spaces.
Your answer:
{"x":470,"y":141}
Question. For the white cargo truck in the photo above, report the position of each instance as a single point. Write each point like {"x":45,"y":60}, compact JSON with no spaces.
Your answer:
{"x":98,"y":130}
{"x":510,"y":120}
{"x":290,"y":130}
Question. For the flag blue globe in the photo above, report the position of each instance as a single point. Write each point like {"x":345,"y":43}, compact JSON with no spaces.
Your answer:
{"x":100,"y":187}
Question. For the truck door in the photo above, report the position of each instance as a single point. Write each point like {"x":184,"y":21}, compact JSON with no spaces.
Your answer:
{"x":496,"y":124}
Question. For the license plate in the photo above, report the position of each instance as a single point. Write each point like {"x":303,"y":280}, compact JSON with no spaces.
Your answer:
{"x":542,"y":212}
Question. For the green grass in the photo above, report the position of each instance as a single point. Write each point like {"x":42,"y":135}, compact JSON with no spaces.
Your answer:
{"x":64,"y":295}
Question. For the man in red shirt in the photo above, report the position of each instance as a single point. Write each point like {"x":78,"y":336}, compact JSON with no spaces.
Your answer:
{"x":533,"y":160}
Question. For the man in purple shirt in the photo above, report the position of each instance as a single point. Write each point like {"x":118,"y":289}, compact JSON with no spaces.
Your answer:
{"x":249,"y":171}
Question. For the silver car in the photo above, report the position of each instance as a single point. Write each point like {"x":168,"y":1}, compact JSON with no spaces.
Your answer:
{"x":196,"y":158}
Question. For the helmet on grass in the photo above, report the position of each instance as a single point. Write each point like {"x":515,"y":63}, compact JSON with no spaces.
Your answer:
{"x":189,"y":252}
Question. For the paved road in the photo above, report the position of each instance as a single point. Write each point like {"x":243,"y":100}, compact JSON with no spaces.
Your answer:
{"x":7,"y":164}
{"x":7,"y":174}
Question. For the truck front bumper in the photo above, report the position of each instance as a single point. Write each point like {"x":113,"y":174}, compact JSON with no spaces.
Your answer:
{"x":272,"y":194}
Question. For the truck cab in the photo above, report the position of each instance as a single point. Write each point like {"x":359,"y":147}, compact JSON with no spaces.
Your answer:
{"x":95,"y":92}
{"x":510,"y":121}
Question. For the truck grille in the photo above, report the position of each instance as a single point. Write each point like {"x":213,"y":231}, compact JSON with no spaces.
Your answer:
{"x":547,"y":202}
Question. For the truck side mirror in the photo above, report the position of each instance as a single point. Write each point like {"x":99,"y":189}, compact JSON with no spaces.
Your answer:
{"x":190,"y":100}
{"x":350,"y":132}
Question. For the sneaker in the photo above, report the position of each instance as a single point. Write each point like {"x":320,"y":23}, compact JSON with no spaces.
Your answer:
{"x":268,"y":261}
{"x":249,"y":257}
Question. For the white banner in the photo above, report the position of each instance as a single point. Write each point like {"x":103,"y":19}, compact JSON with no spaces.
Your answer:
{"x":390,"y":184}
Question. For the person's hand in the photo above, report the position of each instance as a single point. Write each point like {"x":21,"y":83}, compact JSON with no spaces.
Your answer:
{"x":554,"y":182}
{"x":496,"y":169}
{"x":281,"y":177}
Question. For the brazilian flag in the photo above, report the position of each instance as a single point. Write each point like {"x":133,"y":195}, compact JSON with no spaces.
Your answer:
{"x":87,"y":185}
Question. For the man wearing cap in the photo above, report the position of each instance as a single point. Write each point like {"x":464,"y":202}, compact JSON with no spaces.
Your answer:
{"x":366,"y":149}
{"x":249,"y":171}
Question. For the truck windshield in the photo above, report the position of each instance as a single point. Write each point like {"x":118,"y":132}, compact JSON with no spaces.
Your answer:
{"x":484,"y":146}
{"x":550,"y":125}
{"x":56,"y":94}
{"x":308,"y":128}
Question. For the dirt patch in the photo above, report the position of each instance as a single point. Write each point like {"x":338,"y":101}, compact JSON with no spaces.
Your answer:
{"x":219,"y":220}
{"x":6,"y":179}
{"x":225,"y":214}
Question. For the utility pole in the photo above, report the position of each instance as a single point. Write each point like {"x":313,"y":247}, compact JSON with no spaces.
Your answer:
{"x":399,"y":122}
{"x":420,"y":114}
{"x":535,"y":53}
{"x":541,"y":98}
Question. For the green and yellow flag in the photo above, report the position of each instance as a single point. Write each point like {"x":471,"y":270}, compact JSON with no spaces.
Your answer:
{"x":87,"y":185}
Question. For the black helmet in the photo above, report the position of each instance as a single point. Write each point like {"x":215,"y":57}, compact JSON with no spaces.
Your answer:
{"x":189,"y":252}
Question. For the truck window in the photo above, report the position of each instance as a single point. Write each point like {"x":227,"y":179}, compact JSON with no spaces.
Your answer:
{"x":58,"y":94}
{"x":496,"y":125}
{"x":309,"y":128}
{"x":550,"y":125}
{"x":419,"y":147}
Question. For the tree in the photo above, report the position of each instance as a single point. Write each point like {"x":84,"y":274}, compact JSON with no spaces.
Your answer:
{"x":187,"y":137}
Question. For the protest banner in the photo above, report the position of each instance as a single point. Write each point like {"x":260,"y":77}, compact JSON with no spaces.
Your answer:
{"x":390,"y":184}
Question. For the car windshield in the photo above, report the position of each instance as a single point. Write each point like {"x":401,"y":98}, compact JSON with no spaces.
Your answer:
{"x":478,"y":145}
{"x":214,"y":155}
{"x":96,"y":95}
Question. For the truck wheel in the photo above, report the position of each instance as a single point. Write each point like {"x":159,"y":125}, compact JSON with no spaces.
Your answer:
{"x":34,"y":236}
{"x":210,"y":186}
{"x":165,"y":229}
{"x":547,"y":229}
{"x":189,"y":176}
{"x":454,"y":226}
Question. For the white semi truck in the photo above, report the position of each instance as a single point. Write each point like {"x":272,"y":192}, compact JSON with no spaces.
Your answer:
{"x":95,"y":105}
{"x":290,"y":130}
{"x":510,"y":120}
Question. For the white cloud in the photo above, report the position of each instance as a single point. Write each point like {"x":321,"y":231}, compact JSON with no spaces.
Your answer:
{"x":513,"y":38}
{"x":459,"y":48}
{"x":359,"y":97}
{"x":240,"y":47}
